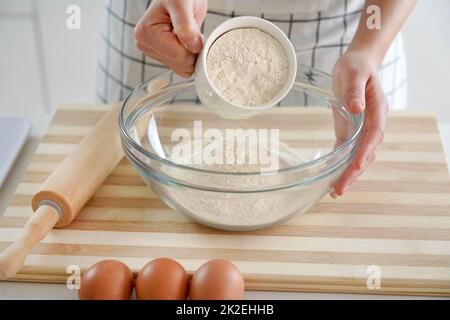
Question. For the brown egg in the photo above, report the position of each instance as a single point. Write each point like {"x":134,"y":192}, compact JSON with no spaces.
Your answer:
{"x":162,"y":279}
{"x":106,"y":280}
{"x":217,"y":280}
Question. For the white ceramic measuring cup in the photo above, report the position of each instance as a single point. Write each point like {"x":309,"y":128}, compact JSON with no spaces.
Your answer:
{"x":213,"y":99}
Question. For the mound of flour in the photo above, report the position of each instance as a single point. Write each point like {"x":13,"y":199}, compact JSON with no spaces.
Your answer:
{"x":247,"y":66}
{"x":237,"y":210}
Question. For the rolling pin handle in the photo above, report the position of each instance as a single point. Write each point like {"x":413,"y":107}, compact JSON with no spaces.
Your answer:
{"x":52,"y":204}
{"x":36,"y":228}
{"x":57,"y":202}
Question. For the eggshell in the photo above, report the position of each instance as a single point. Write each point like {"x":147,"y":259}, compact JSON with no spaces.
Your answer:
{"x":217,"y":280}
{"x":162,"y":279}
{"x":106,"y":280}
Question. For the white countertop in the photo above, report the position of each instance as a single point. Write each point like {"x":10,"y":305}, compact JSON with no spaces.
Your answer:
{"x":16,"y":290}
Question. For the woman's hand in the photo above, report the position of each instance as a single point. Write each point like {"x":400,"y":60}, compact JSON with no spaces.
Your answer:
{"x":169,"y":32}
{"x":356,"y":84}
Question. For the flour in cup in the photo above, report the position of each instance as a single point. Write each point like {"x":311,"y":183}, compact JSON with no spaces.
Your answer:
{"x":247,"y":66}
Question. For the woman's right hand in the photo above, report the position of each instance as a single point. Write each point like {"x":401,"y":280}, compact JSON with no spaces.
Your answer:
{"x":169,"y":32}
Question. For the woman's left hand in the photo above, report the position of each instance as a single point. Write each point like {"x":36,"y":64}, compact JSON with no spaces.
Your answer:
{"x":356,"y":84}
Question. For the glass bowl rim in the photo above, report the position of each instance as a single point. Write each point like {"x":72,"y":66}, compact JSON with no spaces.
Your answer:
{"x":301,"y":166}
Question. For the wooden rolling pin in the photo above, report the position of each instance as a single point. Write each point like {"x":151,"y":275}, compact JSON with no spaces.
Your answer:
{"x":67,"y":189}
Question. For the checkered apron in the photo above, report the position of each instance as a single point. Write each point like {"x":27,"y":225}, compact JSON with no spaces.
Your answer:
{"x":320,"y":31}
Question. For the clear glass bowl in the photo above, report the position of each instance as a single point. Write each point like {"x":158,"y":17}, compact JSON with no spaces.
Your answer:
{"x":161,"y":136}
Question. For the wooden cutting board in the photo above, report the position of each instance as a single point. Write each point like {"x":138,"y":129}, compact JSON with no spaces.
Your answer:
{"x":396,"y":217}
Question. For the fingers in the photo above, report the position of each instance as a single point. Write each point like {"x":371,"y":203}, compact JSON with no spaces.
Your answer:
{"x":161,"y":39}
{"x":185,"y":25}
{"x":372,"y":136}
{"x":169,"y":32}
{"x":354,"y":91}
{"x":183,"y":68}
{"x":343,"y":129}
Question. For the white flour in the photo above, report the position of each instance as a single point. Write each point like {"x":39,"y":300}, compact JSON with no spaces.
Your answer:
{"x":239,"y":210}
{"x":247,"y":66}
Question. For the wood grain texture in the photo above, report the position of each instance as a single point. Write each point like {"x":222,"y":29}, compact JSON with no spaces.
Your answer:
{"x":92,"y":160}
{"x":396,"y":216}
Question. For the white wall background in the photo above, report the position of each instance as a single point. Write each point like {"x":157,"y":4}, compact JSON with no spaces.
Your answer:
{"x":427,"y":42}
{"x":69,"y":56}
{"x":43,"y":67}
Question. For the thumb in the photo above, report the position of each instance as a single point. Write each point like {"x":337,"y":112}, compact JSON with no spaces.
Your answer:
{"x":185,"y":26}
{"x":354,"y":94}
